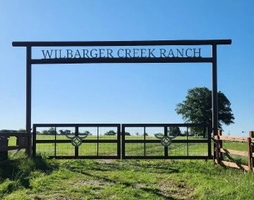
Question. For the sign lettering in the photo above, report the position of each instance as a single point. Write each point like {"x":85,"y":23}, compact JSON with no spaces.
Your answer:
{"x":121,"y":53}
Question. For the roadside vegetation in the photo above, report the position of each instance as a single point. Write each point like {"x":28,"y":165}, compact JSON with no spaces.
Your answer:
{"x":41,"y":178}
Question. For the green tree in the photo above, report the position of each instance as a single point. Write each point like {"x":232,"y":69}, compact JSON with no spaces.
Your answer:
{"x":22,"y":131}
{"x":51,"y":131}
{"x":197,"y":107}
{"x":45,"y":132}
{"x":111,"y":132}
{"x":87,"y":133}
{"x":174,"y":131}
{"x":65,"y":132}
{"x":127,"y":134}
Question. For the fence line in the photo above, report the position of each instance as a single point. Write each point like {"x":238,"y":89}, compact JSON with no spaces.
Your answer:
{"x":21,"y":142}
{"x":219,"y":151}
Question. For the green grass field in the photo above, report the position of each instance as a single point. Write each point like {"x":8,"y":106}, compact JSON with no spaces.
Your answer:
{"x":43,"y":179}
{"x":105,"y":149}
{"x":109,"y":149}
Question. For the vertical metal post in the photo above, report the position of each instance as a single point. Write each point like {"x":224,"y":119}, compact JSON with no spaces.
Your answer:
{"x":34,"y":141}
{"x":76,"y":134}
{"x":97,"y":145}
{"x":187,"y":144}
{"x":208,"y":129}
{"x":214,"y":91}
{"x":118,"y":141}
{"x":123,"y":141}
{"x":28,"y":97}
{"x":55,"y":143}
{"x":166,"y":135}
{"x":144,"y":141}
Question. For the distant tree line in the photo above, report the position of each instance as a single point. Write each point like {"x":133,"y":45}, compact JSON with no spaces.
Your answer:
{"x":12,"y":131}
{"x":52,"y":131}
{"x":111,"y":132}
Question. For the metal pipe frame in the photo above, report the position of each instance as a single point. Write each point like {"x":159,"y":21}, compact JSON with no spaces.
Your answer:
{"x":29,"y":61}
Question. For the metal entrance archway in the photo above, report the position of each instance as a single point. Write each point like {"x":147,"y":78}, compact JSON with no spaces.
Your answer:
{"x":106,"y":56}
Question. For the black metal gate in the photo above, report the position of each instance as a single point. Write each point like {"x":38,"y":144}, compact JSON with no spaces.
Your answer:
{"x":77,"y":140}
{"x":165,"y":141}
{"x":126,"y":141}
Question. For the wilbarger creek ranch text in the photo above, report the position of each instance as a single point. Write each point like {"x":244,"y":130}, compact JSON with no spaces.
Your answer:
{"x":121,"y":53}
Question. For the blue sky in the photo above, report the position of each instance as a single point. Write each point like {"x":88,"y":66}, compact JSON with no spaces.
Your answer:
{"x":123,"y":92}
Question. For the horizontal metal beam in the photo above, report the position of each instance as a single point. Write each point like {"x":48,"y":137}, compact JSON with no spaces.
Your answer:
{"x":121,"y":60}
{"x":166,"y":157}
{"x":85,"y":157}
{"x":148,"y":141}
{"x":165,"y":125}
{"x":118,"y":125}
{"x":120,"y":43}
{"x":75,"y":125}
{"x":83,"y":141}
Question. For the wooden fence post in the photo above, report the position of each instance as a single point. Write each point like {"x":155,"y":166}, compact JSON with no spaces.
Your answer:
{"x":221,"y":145}
{"x":218,"y":146}
{"x":250,"y":150}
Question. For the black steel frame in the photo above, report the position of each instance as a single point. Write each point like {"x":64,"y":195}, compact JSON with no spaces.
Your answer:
{"x":77,"y":126}
{"x":30,"y":61}
{"x":166,"y":148}
{"x":121,"y":141}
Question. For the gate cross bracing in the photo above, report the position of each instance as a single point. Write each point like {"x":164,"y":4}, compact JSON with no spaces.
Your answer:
{"x":122,"y":141}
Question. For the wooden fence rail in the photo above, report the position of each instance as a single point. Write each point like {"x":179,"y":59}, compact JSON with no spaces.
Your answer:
{"x":219,"y":151}
{"x":21,"y":142}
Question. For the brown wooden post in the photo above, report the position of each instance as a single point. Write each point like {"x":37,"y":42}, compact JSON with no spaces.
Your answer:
{"x":250,"y":151}
{"x":221,"y":144}
{"x":249,"y":154}
{"x":218,"y":146}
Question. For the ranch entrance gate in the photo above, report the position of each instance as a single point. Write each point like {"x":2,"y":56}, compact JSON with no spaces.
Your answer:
{"x":126,"y":141}
{"x":155,"y":51}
